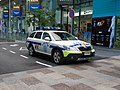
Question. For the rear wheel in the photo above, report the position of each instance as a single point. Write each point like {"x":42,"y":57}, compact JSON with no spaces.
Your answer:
{"x":31,"y":50}
{"x":58,"y":57}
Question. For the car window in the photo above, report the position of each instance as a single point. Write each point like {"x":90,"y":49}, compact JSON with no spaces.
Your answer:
{"x":38,"y":35}
{"x":45,"y":35}
{"x":32,"y":35}
{"x":58,"y":36}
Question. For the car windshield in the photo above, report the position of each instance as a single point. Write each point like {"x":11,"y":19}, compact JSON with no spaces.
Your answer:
{"x":58,"y":36}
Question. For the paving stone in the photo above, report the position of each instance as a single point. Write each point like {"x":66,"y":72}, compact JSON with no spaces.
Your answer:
{"x":72,"y":76}
{"x":40,"y":86}
{"x":117,"y":87}
{"x":106,"y":63}
{"x":62,"y":69}
{"x":20,"y":86}
{"x":92,"y":65}
{"x":110,"y":73}
{"x":116,"y":68}
{"x":61,"y":86}
{"x":78,"y":68}
{"x":33,"y":71}
{"x":4,"y":86}
{"x":1,"y":80}
{"x":82,"y":87}
{"x":46,"y":71}
{"x":20,"y":75}
{"x":102,"y":87}
{"x":117,"y":80}
{"x":31,"y":81}
{"x":38,"y":75}
{"x":55,"y":75}
{"x":110,"y":84}
{"x":6,"y":75}
{"x":105,"y":68}
{"x":11,"y":80}
{"x":88,"y":82}
{"x":49,"y":81}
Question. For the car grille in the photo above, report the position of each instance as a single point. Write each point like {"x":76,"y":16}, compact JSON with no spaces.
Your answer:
{"x":84,"y":48}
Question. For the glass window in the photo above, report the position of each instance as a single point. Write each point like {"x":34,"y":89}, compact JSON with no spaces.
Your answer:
{"x":45,"y":35}
{"x":32,"y":35}
{"x":58,"y":36}
{"x":38,"y":35}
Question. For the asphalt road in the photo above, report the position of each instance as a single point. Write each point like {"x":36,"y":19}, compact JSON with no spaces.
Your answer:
{"x":14,"y":58}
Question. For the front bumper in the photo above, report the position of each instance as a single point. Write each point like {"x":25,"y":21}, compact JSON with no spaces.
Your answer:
{"x":79,"y":55}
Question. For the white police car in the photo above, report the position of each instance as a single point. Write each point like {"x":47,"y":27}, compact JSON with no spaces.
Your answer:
{"x":61,"y":45}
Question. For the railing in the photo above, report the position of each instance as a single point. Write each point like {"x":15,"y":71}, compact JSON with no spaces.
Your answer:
{"x":13,"y":36}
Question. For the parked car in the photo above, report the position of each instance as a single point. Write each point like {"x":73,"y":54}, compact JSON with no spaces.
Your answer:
{"x":60,"y":45}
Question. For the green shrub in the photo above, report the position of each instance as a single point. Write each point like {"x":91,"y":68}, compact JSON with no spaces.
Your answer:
{"x":117,"y":43}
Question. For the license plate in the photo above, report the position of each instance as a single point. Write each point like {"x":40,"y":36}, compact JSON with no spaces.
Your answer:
{"x":86,"y":53}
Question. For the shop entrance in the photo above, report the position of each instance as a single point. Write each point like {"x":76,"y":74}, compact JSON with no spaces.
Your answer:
{"x":82,"y":21}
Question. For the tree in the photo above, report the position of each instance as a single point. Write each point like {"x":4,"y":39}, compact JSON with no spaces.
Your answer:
{"x":41,"y":17}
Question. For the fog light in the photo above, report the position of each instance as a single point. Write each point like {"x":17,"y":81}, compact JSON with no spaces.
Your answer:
{"x":72,"y":57}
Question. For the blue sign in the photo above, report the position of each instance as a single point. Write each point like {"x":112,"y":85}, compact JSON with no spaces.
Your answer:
{"x":16,"y":13}
{"x":5,"y":16}
{"x":34,"y":7}
{"x":72,"y":13}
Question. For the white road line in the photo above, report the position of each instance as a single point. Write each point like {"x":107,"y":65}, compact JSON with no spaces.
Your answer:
{"x":4,"y":48}
{"x":13,"y":52}
{"x":43,"y":64}
{"x":24,"y":56}
{"x":14,"y":45}
{"x":23,"y":48}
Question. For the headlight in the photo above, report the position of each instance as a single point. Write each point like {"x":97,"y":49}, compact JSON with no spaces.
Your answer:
{"x":66,"y":48}
{"x":71,"y":48}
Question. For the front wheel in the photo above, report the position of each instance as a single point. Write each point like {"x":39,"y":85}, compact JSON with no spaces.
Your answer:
{"x":31,"y":50}
{"x":58,"y":57}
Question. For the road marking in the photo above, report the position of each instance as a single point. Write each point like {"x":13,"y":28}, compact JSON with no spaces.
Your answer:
{"x":43,"y":64}
{"x":23,"y":48}
{"x":14,"y":45}
{"x":24,"y":56}
{"x":13,"y":52}
{"x":4,"y":48}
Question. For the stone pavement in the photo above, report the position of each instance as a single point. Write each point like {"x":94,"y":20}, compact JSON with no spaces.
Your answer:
{"x":97,"y":75}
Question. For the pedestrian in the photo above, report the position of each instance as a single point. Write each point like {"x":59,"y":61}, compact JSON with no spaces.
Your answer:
{"x":69,"y":28}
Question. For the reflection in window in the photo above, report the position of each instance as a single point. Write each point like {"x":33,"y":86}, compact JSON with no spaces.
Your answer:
{"x":58,"y":36}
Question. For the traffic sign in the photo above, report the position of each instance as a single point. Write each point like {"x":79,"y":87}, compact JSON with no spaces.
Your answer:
{"x":72,"y":13}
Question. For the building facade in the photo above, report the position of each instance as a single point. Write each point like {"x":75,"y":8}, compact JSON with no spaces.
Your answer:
{"x":106,"y":23}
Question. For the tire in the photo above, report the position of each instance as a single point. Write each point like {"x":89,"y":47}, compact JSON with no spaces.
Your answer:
{"x":58,"y":57}
{"x":31,"y":50}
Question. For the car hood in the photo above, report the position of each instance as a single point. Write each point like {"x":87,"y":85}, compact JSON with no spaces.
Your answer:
{"x":72,"y":43}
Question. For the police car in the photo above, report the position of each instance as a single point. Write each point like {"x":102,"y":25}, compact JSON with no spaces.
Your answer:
{"x":60,"y":45}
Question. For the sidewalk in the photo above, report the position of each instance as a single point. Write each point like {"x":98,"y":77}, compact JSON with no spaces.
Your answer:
{"x":97,"y":75}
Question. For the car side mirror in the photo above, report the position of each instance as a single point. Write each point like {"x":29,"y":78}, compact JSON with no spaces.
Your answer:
{"x":47,"y":38}
{"x":76,"y":37}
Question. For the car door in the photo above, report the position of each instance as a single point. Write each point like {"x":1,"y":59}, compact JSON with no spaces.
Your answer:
{"x":37,"y":42}
{"x":46,"y":39}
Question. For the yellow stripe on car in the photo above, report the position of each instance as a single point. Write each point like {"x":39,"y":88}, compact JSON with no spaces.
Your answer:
{"x":65,"y":54}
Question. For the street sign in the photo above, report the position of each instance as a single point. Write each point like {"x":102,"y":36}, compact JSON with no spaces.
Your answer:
{"x":72,"y":13}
